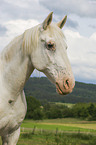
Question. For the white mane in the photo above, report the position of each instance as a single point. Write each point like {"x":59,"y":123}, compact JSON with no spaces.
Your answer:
{"x":30,"y":39}
{"x":11,"y":49}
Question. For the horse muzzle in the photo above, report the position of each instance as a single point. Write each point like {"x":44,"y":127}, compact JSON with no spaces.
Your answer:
{"x":65,"y":86}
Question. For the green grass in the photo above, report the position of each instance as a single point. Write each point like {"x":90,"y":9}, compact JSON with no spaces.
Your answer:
{"x":59,"y":139}
{"x":53,"y":127}
{"x":68,"y":125}
{"x":47,"y":138}
{"x":66,"y":104}
{"x":57,"y":132}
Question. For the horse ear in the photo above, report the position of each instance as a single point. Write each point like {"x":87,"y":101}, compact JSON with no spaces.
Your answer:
{"x":62,"y":22}
{"x":47,"y":21}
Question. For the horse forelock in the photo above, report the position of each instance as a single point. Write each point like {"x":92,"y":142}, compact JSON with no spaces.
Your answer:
{"x":30,"y":40}
{"x":56,"y":31}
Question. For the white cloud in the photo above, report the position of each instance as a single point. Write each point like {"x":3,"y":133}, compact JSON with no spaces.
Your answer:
{"x":20,"y":3}
{"x":83,"y":8}
{"x":15,"y":28}
{"x":21,"y":9}
{"x":93,"y":36}
{"x":82,"y":54}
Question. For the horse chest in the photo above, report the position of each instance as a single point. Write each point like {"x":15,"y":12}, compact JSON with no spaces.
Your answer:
{"x":12,"y":114}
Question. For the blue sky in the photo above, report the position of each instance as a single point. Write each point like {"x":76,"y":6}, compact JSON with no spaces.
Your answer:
{"x":80,"y":29}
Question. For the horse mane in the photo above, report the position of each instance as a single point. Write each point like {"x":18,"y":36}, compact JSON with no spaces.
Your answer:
{"x":30,"y":39}
{"x":7,"y":53}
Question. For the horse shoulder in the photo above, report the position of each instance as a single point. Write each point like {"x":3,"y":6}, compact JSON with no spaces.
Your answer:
{"x":12,"y":113}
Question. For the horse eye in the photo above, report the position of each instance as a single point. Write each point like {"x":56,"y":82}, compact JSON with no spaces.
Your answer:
{"x":50,"y":46}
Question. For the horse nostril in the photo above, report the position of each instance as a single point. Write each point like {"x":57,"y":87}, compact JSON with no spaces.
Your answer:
{"x":66,"y":84}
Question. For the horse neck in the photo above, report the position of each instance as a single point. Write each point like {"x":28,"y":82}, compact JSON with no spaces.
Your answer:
{"x":17,"y":66}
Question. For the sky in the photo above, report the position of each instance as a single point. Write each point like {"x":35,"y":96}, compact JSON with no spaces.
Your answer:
{"x":80,"y":29}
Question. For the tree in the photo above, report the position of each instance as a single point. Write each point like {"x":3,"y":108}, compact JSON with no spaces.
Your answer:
{"x":34,"y":111}
{"x":92,"y":112}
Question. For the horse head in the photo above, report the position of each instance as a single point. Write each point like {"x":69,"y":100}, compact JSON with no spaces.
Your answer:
{"x":50,"y":56}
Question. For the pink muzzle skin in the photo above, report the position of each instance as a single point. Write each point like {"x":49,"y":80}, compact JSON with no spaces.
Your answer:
{"x":65,"y":86}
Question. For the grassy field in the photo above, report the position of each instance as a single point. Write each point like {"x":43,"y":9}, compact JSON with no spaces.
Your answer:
{"x":65,"y":104}
{"x":58,"y":132}
{"x":65,"y":125}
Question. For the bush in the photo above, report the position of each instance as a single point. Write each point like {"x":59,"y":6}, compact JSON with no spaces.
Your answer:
{"x":34,"y":110}
{"x":53,"y":111}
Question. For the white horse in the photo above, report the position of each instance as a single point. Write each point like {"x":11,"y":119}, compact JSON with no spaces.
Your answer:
{"x":43,"y":48}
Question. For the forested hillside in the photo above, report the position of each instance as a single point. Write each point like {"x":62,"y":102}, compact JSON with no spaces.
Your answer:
{"x":43,"y":89}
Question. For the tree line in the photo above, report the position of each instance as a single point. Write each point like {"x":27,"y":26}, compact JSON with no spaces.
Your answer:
{"x":44,"y":110}
{"x":43,"y":89}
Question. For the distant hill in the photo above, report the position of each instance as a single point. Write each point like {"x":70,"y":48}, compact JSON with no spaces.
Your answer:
{"x":43,"y":89}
